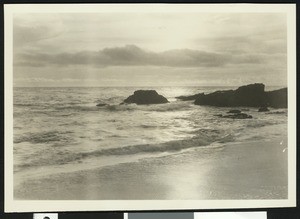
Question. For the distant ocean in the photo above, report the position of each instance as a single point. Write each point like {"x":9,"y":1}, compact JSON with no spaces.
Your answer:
{"x":62,"y":130}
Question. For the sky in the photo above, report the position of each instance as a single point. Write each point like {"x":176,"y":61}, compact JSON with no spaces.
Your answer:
{"x":149,"y":49}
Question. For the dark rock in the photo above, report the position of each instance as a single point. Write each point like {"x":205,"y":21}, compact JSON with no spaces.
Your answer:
{"x":218,"y":98}
{"x":238,"y":116}
{"x":234,"y":111}
{"x":263,"y":109}
{"x":277,"y":98}
{"x":192,"y":97}
{"x":101,"y":104}
{"x":218,"y":115}
{"x":141,"y":97}
{"x":252,"y":95}
{"x":257,"y":88}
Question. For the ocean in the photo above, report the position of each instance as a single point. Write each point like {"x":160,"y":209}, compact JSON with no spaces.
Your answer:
{"x":61,"y":130}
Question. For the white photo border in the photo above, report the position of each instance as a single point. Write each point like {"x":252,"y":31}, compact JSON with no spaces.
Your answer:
{"x":11,"y":205}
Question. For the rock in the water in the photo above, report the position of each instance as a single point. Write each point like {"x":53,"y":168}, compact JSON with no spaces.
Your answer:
{"x":276,"y":112}
{"x":263,"y":109}
{"x":101,"y":104}
{"x":257,"y":88}
{"x":143,"y":97}
{"x":218,"y":98}
{"x":238,"y":116}
{"x":252,"y":95}
{"x":192,"y":97}
{"x":234,"y":111}
{"x":249,"y":95}
{"x":277,"y":98}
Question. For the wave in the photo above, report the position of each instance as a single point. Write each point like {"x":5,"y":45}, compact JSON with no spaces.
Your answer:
{"x":107,"y":107}
{"x":259,"y":124}
{"x":278,"y":113}
{"x":114,"y":99}
{"x":171,"y":146}
{"x":145,"y":126}
{"x":25,"y":104}
{"x":47,"y":108}
{"x":204,"y":137}
{"x":173,"y":106}
{"x":113,"y":108}
{"x":43,"y":137}
{"x":77,"y":108}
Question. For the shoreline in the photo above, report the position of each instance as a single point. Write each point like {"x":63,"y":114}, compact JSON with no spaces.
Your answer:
{"x":245,"y":170}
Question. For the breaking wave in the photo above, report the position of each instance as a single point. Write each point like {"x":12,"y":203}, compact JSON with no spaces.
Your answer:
{"x":43,"y":137}
{"x":204,"y":137}
{"x":173,"y":106}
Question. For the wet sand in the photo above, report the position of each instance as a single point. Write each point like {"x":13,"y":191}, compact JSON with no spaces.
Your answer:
{"x":253,"y":170}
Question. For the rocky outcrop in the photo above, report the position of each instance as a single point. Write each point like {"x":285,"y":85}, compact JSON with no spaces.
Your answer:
{"x":277,"y":98}
{"x":143,"y":97}
{"x":252,"y":95}
{"x":101,"y":104}
{"x":235,"y":114}
{"x":238,"y":116}
{"x":263,"y":109}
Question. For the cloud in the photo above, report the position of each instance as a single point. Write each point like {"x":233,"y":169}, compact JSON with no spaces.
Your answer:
{"x":24,"y":35}
{"x":132,"y":55}
{"x":184,"y":49}
{"x":246,"y":44}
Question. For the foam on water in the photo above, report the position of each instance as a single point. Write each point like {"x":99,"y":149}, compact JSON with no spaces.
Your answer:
{"x":203,"y":138}
{"x":63,"y":126}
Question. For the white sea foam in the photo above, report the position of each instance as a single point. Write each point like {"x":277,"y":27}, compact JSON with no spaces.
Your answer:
{"x":61,"y":126}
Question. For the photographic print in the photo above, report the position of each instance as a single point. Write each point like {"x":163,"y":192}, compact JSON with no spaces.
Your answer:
{"x":152,"y":106}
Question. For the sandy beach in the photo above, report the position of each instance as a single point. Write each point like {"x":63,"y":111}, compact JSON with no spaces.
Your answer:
{"x":252,"y":170}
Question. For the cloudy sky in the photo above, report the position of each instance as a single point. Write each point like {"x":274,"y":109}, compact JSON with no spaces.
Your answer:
{"x":149,"y":49}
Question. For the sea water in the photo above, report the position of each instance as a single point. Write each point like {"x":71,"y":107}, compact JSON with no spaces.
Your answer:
{"x":62,"y":130}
